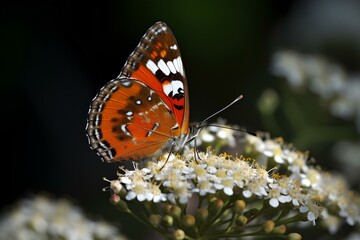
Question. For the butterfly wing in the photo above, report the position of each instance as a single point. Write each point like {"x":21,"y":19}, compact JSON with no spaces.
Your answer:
{"x":128,"y":121}
{"x":157,"y":62}
{"x":146,"y":106}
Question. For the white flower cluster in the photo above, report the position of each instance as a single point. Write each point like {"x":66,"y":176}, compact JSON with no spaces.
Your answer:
{"x":182,"y":177}
{"x":329,"y":189}
{"x":324,"y":78}
{"x":45,"y":218}
{"x":306,"y":188}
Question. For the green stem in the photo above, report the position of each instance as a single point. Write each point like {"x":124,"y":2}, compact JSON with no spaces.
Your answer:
{"x":296,"y":218}
{"x":162,"y":231}
{"x":201,"y":200}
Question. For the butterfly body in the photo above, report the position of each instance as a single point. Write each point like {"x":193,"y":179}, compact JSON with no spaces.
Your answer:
{"x":146,"y":108}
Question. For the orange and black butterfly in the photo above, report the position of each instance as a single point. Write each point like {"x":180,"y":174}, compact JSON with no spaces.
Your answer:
{"x":146,"y":108}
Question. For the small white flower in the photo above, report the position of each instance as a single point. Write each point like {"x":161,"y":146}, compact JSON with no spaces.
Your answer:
{"x":311,"y":178}
{"x":297,"y":163}
{"x":296,"y":196}
{"x":125,"y":180}
{"x":138,"y":189}
{"x":247,"y":193}
{"x":273,"y":149}
{"x":255,"y":187}
{"x":155,"y":194}
{"x":276,"y":197}
{"x":204,"y":187}
{"x":313,"y":211}
{"x":351,"y":213}
{"x":182,"y":192}
{"x":226,"y":184}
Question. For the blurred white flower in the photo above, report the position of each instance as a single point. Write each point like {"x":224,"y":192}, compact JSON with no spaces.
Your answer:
{"x":289,"y":64}
{"x":327,"y":79}
{"x":313,"y":211}
{"x":216,"y":132}
{"x":42,"y":217}
{"x":311,"y":178}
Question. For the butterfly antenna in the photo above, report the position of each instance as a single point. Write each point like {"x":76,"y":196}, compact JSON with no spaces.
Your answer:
{"x":224,"y":108}
{"x":222,"y":126}
{"x":229,"y":127}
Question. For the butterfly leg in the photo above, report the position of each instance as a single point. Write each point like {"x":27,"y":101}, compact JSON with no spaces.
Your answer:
{"x":167,"y":159}
{"x":196,"y":152}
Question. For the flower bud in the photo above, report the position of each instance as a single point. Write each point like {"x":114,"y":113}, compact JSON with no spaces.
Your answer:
{"x":116,"y":186}
{"x":178,"y":234}
{"x":241,"y":220}
{"x":294,"y":236}
{"x":120,"y":204}
{"x":189,"y":220}
{"x":115,"y":198}
{"x":279,"y":229}
{"x":168,"y":221}
{"x":166,"y":208}
{"x":201,"y":215}
{"x":155,"y":219}
{"x":268,"y":226}
{"x":175,"y":211}
{"x":239,"y":206}
{"x":215,"y":206}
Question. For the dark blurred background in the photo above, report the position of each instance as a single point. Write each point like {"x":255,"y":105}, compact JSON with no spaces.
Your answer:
{"x":56,"y":55}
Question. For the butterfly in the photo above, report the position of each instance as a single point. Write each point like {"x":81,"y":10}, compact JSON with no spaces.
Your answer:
{"x":146,"y":108}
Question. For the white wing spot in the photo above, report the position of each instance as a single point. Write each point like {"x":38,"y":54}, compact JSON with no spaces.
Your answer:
{"x":97,"y":134}
{"x":107,"y":96}
{"x":125,"y":130}
{"x":126,"y":83}
{"x":109,"y":152}
{"x":163,"y":67}
{"x":167,"y":88}
{"x":174,"y":87}
{"x":129,"y":113}
{"x":97,"y":120}
{"x":171,"y":66}
{"x":103,"y":145}
{"x":156,"y":125}
{"x":101,"y":107}
{"x":179,"y":66}
{"x":173,"y":47}
{"x":176,"y":126}
{"x":152,"y":66}
{"x":114,"y":88}
{"x":177,"y":86}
